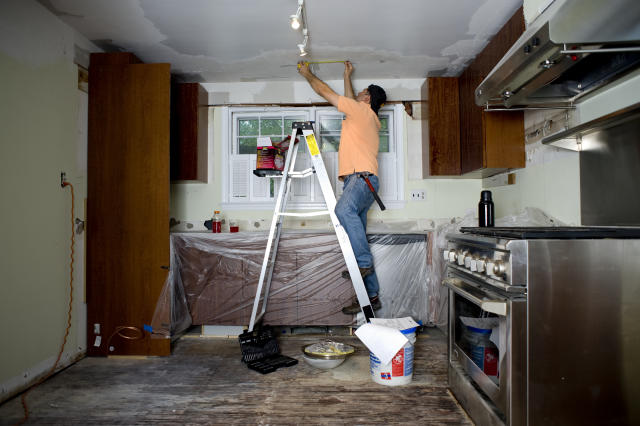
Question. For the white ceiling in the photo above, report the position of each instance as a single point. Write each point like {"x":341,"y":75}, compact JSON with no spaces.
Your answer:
{"x":250,"y":40}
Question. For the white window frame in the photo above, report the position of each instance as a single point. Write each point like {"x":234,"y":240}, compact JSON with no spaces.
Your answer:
{"x":392,"y":184}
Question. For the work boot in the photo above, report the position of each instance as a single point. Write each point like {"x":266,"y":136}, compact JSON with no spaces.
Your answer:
{"x":354,"y":308}
{"x":363,"y":272}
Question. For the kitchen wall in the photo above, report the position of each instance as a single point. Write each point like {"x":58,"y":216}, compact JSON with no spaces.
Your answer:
{"x":444,"y":198}
{"x":40,"y":136}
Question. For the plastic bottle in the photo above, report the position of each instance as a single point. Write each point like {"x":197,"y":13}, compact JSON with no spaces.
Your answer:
{"x":485,"y":210}
{"x":216,"y":222}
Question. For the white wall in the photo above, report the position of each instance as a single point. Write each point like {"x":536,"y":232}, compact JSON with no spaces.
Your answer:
{"x":39,"y":125}
{"x":445,"y":198}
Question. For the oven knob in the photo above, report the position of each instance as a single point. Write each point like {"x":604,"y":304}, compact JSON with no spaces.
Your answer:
{"x":473,"y":265}
{"x":452,"y":256}
{"x":461,"y":256}
{"x":446,"y":255}
{"x":480,"y":265}
{"x":467,"y":262}
{"x":499,"y":268}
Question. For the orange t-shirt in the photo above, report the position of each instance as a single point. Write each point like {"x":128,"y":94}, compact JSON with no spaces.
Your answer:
{"x":359,"y":139}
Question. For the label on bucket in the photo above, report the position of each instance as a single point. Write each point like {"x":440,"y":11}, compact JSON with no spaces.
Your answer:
{"x":408,"y":356}
{"x":486,"y":358}
{"x":399,"y":369}
{"x":401,"y":365}
{"x":397,"y":364}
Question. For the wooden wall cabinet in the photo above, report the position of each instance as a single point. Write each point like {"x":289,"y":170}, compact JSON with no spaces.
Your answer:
{"x":189,"y":132}
{"x":488,"y":142}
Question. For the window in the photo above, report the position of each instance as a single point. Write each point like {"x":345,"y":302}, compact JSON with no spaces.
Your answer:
{"x":244,"y":190}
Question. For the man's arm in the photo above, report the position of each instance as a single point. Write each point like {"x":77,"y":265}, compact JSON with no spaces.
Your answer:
{"x":348,"y":88}
{"x":319,"y":86}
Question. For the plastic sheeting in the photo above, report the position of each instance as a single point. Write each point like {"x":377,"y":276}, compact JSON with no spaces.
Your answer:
{"x":213,"y":280}
{"x":214,"y":277}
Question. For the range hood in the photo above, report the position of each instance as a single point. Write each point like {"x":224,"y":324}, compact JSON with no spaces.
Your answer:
{"x":571,"y":49}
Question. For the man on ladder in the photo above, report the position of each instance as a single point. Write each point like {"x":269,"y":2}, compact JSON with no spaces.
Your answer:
{"x":357,"y":168}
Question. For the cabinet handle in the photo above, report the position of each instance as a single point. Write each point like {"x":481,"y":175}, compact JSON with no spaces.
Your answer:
{"x":165,"y":267}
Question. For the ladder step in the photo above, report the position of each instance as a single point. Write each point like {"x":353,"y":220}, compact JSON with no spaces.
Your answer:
{"x":302,"y":173}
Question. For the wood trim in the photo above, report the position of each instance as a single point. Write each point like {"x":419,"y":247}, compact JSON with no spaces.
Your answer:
{"x":113,"y":58}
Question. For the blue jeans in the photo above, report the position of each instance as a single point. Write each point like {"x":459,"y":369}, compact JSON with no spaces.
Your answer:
{"x":351,"y":210}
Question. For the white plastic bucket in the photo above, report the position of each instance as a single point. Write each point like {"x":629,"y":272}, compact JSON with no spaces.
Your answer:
{"x":399,"y":371}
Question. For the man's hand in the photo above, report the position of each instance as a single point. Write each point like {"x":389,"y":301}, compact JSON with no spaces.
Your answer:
{"x":348,"y":88}
{"x":348,"y":69}
{"x":303,"y":69}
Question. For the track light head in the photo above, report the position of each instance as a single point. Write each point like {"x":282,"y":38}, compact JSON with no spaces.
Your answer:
{"x":303,"y":46}
{"x":295,"y":20}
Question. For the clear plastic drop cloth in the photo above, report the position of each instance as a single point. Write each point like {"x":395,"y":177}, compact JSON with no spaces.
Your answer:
{"x":214,"y":277}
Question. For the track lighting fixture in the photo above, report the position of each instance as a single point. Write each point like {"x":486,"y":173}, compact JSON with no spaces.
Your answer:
{"x":296,"y":20}
{"x":303,"y":47}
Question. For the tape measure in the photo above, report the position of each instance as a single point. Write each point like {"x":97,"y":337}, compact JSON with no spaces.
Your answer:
{"x":321,"y":62}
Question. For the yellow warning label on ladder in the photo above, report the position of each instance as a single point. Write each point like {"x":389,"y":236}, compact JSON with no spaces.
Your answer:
{"x":313,"y":146}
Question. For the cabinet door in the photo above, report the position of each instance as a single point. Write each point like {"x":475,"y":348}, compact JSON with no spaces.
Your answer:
{"x":444,"y":126}
{"x":189,"y":132}
{"x":127,"y":204}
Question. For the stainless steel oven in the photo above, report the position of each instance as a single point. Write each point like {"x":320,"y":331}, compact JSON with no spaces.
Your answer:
{"x":565,"y":309}
{"x":480,"y":273}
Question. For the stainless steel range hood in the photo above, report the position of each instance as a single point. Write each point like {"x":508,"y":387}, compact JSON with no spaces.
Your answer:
{"x":573,"y":48}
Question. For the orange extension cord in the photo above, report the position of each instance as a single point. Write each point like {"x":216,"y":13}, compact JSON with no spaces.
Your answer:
{"x":66,"y":333}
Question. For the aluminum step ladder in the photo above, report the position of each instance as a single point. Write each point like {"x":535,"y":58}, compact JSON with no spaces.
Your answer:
{"x":306,"y":129}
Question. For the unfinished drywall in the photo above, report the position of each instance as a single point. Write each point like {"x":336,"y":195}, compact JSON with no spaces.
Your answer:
{"x":230,"y":40}
{"x":297,"y":90}
{"x":38,"y":128}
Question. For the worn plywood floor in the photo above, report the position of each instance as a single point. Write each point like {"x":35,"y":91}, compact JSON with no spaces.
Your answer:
{"x":205,"y":382}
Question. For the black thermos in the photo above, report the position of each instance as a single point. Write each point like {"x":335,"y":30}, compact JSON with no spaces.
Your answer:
{"x":485,"y":210}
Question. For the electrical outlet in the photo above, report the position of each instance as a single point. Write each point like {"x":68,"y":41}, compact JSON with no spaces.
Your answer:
{"x":96,"y":328}
{"x":417,"y":195}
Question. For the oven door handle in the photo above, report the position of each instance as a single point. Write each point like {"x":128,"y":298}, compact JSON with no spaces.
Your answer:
{"x":495,"y":306}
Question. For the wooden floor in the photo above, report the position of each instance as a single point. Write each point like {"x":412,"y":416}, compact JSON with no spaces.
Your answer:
{"x":205,"y":382}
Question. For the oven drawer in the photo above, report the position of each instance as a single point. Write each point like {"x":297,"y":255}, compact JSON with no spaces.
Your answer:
{"x":486,"y":300}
